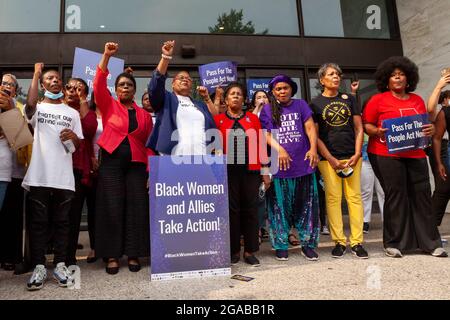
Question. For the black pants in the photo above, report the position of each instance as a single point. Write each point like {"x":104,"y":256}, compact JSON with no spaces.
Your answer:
{"x":409,"y":223}
{"x":122,"y":214}
{"x":91,"y":207}
{"x":242,"y":197}
{"x":11,"y":223}
{"x":322,"y":203}
{"x":441,"y":193}
{"x":81,"y":192}
{"x":41,"y":198}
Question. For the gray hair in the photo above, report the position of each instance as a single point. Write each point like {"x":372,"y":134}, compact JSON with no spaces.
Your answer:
{"x":323,"y":69}
{"x":14,"y":79}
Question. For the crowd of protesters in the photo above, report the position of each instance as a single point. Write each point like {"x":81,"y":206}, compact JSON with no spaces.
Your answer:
{"x":96,"y":152}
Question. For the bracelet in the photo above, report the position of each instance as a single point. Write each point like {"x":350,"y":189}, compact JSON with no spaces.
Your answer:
{"x":166,"y":57}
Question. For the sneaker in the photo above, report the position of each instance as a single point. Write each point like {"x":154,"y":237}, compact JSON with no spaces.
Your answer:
{"x":338,"y":251}
{"x":440,"y":253}
{"x":360,"y":252}
{"x":393,"y":252}
{"x":264,"y":234}
{"x":324,"y":230}
{"x":281,"y":255}
{"x":366,"y":227}
{"x":38,"y":278}
{"x":252,"y":260}
{"x":235,"y":259}
{"x":62,"y":275}
{"x":309,"y":254}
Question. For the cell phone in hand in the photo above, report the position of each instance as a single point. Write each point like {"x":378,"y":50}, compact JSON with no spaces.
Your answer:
{"x":354,"y":77}
{"x":445,"y":71}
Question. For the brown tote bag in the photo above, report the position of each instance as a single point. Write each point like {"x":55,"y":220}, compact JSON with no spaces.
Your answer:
{"x":15,"y":129}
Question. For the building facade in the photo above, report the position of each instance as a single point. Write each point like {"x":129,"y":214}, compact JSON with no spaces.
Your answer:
{"x":264,"y":37}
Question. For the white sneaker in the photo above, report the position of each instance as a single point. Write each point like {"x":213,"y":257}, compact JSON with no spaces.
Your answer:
{"x":325,"y":231}
{"x":38,"y":278}
{"x":62,"y":275}
{"x":439,"y":252}
{"x":393,"y":252}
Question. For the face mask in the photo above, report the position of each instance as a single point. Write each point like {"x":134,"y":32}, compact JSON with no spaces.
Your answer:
{"x":53,"y":96}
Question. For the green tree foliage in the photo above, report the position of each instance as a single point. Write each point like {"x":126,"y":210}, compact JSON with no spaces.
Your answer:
{"x":232,"y":23}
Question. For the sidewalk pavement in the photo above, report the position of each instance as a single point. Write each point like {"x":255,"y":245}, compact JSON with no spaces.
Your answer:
{"x":415,"y":276}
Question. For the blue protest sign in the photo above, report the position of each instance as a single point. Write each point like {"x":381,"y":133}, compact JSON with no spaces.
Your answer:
{"x":85,"y":66}
{"x":189,"y":223}
{"x":405,"y":133}
{"x":217,"y":74}
{"x":254,"y":85}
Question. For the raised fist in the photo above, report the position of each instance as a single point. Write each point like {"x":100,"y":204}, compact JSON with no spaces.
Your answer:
{"x":38,"y":67}
{"x":111,"y":48}
{"x":203,"y":92}
{"x":167,"y":48}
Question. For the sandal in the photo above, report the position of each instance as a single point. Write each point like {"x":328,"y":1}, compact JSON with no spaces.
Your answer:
{"x":293,"y":241}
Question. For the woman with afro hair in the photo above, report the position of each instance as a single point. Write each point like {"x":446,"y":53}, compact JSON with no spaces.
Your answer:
{"x":409,"y":223}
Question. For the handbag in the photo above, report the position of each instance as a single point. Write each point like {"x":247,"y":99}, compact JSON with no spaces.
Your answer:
{"x":15,"y":129}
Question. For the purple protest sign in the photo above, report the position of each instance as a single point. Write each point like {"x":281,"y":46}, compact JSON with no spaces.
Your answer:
{"x":85,"y":66}
{"x":189,"y":222}
{"x":254,"y":85}
{"x":217,"y":74}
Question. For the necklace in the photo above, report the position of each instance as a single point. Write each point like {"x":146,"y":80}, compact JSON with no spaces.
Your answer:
{"x":236,"y":116}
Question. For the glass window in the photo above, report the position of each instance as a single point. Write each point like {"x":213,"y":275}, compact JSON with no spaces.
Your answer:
{"x":347,"y":18}
{"x":193,"y":16}
{"x":30,"y":15}
{"x":265,"y":85}
{"x":22,"y":91}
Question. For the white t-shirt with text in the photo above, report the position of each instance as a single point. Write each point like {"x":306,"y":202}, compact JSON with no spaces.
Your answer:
{"x":51,"y":165}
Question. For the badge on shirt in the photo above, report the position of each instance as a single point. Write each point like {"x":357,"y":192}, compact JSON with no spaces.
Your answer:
{"x":344,"y":96}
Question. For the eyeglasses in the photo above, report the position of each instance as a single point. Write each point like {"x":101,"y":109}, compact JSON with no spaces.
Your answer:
{"x":184,"y":78}
{"x":70,"y":87}
{"x":8,"y":84}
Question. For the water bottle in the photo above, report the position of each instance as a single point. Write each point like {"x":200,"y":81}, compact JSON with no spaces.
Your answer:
{"x":262,"y":191}
{"x":69,"y":146}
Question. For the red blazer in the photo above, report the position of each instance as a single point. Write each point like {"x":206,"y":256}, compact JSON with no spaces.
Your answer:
{"x":252,"y":127}
{"x":115,"y":121}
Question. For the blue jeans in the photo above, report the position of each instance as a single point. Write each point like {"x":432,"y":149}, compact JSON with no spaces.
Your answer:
{"x":3,"y":186}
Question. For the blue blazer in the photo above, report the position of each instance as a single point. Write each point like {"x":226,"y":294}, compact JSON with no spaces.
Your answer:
{"x":165,"y":104}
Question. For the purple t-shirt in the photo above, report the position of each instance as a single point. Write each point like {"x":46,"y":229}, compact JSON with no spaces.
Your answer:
{"x":291,"y":136}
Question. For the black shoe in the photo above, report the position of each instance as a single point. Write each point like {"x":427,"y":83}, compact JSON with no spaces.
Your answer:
{"x":235,"y":259}
{"x":22,"y":268}
{"x":309,"y":254}
{"x":366,"y":227}
{"x":112,"y":270}
{"x":8,"y":266}
{"x":91,"y":259}
{"x":359,"y":251}
{"x":252,"y":260}
{"x":338,"y":251}
{"x":133,"y":267}
{"x":264,"y":234}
